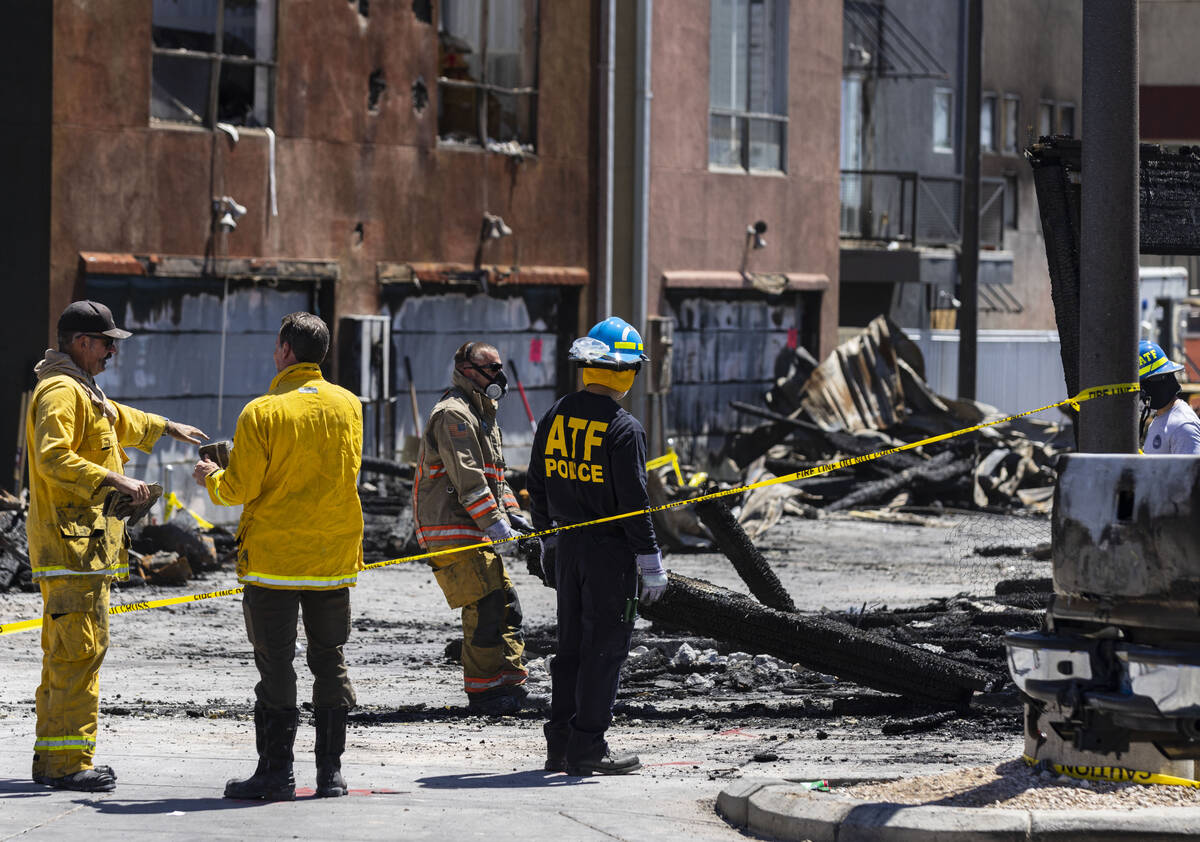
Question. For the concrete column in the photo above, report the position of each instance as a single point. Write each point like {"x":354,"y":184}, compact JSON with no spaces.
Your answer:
{"x":1109,"y":235}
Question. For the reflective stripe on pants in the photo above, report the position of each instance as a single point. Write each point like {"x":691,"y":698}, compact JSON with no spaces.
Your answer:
{"x":74,"y":642}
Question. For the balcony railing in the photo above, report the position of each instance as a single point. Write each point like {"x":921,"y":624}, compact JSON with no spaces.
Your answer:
{"x":908,"y":207}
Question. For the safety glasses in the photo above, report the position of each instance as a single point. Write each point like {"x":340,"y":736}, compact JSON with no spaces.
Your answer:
{"x":107,"y":340}
{"x":490,"y":368}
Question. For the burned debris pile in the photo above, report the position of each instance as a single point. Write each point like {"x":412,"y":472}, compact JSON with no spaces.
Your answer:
{"x":821,"y":643}
{"x":15,"y":571}
{"x":868,"y":396}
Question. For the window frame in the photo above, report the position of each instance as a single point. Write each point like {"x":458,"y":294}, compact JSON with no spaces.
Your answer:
{"x":1058,"y":114}
{"x":483,"y":87}
{"x":216,"y":58}
{"x":1012,"y":205}
{"x":939,"y":91}
{"x":1044,"y":104}
{"x":744,"y":117}
{"x":1013,"y":117}
{"x":988,"y":144}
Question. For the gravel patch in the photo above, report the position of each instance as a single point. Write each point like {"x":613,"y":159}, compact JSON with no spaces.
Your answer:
{"x":1016,"y":786}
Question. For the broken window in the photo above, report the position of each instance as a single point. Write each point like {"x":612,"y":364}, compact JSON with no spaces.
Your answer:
{"x":1012,"y":124}
{"x":213,"y":62}
{"x":748,"y":54}
{"x":487,"y":72}
{"x":1066,"y":119}
{"x":1045,"y":119}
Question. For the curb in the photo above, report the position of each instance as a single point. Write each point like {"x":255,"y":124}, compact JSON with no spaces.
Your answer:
{"x":776,"y":809}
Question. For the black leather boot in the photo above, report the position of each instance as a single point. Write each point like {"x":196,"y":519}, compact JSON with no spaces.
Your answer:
{"x":331,"y":742}
{"x":607,"y":763}
{"x":556,"y":748}
{"x":273,"y":780}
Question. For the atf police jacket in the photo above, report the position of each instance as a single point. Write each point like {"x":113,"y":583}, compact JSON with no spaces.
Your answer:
{"x":589,"y":462}
{"x":293,"y":468}
{"x":72,"y":445}
{"x":460,"y":489}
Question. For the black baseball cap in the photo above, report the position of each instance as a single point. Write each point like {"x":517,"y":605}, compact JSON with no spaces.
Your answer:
{"x":90,"y":317}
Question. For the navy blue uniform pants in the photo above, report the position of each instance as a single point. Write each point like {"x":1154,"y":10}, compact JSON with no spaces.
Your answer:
{"x":596,"y":578}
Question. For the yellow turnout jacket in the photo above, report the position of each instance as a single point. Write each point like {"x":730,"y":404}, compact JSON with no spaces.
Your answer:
{"x":72,"y":446}
{"x":293,"y":467}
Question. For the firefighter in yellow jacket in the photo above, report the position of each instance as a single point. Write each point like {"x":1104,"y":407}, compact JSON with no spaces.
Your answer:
{"x":460,"y":498}
{"x":75,"y":437}
{"x":293,"y":468}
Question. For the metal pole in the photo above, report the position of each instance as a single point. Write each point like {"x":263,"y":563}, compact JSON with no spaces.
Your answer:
{"x":968,"y":259}
{"x":1109,"y":224}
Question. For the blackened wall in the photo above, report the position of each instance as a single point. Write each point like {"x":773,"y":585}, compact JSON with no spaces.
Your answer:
{"x":25,"y":147}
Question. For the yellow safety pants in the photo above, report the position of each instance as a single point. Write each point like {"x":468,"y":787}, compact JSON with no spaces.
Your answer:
{"x":74,"y":641}
{"x":475,"y":581}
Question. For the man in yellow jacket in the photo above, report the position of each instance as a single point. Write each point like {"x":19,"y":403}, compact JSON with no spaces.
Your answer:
{"x":293,"y":468}
{"x":460,"y":498}
{"x":75,"y":437}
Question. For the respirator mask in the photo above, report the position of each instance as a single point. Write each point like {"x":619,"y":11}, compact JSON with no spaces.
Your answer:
{"x":497,"y":386}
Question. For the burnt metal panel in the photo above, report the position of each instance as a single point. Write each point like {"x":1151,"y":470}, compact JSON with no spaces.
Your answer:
{"x":532,"y":326}
{"x":172,"y":364}
{"x":727,"y":347}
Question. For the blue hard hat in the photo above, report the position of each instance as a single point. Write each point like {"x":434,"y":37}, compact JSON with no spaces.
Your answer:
{"x":613,"y":343}
{"x":1152,"y":361}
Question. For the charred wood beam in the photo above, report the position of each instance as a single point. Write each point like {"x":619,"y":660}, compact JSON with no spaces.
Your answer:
{"x":811,"y":433}
{"x":819,"y":643}
{"x":747,"y":560}
{"x":937,"y":470}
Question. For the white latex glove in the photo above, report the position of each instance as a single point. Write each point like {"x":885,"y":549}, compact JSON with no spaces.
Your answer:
{"x":499,"y":531}
{"x":654,"y":577}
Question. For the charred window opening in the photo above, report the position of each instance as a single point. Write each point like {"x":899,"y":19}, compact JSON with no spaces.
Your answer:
{"x":747,"y":115}
{"x":420,"y":95}
{"x":423,"y":9}
{"x":358,"y":234}
{"x":213,"y":62}
{"x":376,"y":85}
{"x":487,"y":73}
{"x":364,"y":6}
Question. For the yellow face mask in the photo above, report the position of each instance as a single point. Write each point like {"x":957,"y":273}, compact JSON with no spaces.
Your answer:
{"x":618,"y":381}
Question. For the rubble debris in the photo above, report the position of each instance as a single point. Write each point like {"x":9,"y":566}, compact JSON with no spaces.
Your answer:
{"x":178,"y":537}
{"x":161,"y":568}
{"x":387,"y":510}
{"x":824,"y":644}
{"x":1041,"y":585}
{"x":15,"y":568}
{"x":918,"y":724}
{"x":937,"y":471}
{"x":870,"y":395}
{"x":732,"y":540}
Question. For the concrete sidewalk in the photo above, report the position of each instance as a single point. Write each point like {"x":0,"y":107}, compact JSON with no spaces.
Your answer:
{"x":778,"y":809}
{"x":174,"y":791}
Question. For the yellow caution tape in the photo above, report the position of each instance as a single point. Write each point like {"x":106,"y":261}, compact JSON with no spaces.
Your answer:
{"x":174,"y":504}
{"x":669,"y":457}
{"x":128,"y":607}
{"x":1113,"y":774}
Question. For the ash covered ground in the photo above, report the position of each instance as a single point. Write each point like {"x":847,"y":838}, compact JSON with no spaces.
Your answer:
{"x":692,"y":707}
